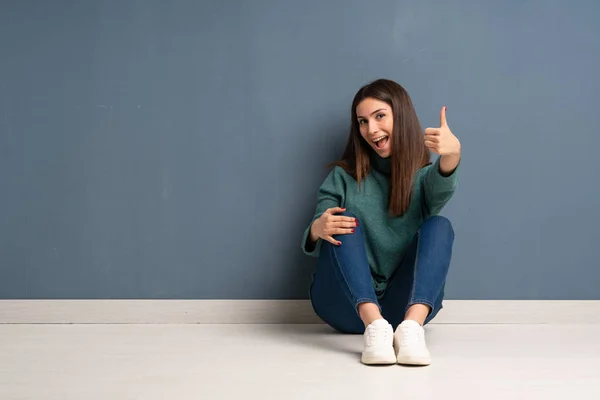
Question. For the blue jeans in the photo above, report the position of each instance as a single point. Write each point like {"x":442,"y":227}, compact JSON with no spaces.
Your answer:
{"x":342,"y":279}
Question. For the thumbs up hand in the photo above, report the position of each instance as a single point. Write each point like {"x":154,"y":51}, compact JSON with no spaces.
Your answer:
{"x":441,"y":140}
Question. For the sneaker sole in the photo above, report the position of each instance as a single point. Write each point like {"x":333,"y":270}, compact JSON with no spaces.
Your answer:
{"x":407,"y":360}
{"x":379,"y":360}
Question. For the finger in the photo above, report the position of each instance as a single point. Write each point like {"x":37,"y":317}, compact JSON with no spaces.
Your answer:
{"x":333,"y":228}
{"x":339,"y":231}
{"x":443,"y":121}
{"x":333,"y":225}
{"x":335,"y":210}
{"x":341,"y":218}
{"x":434,"y":149}
{"x":432,"y":138}
{"x":430,"y":144}
{"x":332,"y":240}
{"x":343,"y":224}
{"x":432,"y":131}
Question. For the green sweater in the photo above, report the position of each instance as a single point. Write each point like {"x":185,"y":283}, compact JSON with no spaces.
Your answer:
{"x":386,"y":238}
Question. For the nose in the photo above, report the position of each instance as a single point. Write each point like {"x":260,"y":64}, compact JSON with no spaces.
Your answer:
{"x":373,"y":128}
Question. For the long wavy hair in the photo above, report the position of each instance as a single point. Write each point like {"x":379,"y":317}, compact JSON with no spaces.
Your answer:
{"x":409,"y":152}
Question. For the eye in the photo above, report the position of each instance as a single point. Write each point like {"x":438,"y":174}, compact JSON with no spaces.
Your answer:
{"x":380,"y":115}
{"x":362,"y":121}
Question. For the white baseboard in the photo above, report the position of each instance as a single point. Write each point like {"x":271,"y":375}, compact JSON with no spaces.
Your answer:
{"x":279,"y":312}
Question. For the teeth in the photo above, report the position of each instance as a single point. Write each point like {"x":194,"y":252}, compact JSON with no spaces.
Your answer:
{"x":379,"y":138}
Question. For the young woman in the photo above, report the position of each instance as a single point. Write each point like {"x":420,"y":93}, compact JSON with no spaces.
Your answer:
{"x":383,"y":251}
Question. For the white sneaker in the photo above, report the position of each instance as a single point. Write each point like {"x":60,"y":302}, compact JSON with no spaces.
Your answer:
{"x":409,"y":344}
{"x":379,"y":343}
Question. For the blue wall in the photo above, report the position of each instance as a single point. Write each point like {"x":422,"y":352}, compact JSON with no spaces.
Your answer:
{"x":173,"y":149}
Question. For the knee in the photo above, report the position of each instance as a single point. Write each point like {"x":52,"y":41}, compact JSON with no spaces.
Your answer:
{"x":440,"y":225}
{"x":357,"y":229}
{"x":346,"y":214}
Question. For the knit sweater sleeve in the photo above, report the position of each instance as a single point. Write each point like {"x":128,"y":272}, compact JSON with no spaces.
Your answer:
{"x":438,"y":188}
{"x":330,"y":194}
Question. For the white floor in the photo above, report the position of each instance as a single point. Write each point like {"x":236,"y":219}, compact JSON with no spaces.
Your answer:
{"x":180,"y":362}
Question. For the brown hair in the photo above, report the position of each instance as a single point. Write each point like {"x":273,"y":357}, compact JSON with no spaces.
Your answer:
{"x":409,"y":152}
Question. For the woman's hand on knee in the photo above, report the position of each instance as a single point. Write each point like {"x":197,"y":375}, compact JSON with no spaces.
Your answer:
{"x":329,"y":224}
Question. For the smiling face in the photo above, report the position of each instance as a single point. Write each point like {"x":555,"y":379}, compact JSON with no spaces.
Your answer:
{"x":376,"y":123}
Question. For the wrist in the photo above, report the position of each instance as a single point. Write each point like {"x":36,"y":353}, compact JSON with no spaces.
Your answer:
{"x":312,"y":236}
{"x":456,"y":151}
{"x":454,"y":154}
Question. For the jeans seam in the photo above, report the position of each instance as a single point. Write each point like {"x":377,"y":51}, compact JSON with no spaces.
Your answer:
{"x":420,"y":301}
{"x":352,"y":295}
{"x":354,"y":300}
{"x":412,"y":290}
{"x":337,"y":263}
{"x":362,"y":300}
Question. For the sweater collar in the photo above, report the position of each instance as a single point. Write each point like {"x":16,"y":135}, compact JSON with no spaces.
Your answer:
{"x":383,"y":165}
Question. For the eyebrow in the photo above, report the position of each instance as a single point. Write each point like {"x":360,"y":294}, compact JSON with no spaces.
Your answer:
{"x":376,"y":111}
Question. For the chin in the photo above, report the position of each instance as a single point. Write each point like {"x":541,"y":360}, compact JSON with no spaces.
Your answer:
{"x":383,"y":153}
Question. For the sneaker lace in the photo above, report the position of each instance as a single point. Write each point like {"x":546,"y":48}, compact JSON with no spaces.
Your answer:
{"x":377,"y":334}
{"x":410,"y":336}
